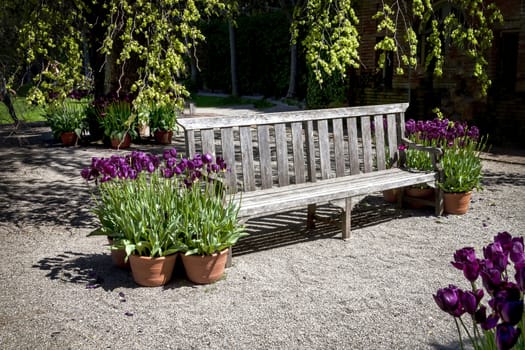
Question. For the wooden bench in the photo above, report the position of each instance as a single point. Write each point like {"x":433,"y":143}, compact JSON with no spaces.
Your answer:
{"x":282,"y":161}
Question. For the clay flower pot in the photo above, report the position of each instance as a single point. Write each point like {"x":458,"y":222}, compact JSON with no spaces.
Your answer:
{"x":418,"y":193}
{"x":116,"y":143}
{"x":457,"y":203}
{"x":205,"y":269}
{"x":119,"y":256}
{"x":163,"y":137}
{"x":68,"y":138}
{"x":152,"y":272}
{"x":391,"y":195}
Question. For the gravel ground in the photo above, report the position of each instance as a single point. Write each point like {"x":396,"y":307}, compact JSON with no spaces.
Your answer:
{"x":288,"y":288}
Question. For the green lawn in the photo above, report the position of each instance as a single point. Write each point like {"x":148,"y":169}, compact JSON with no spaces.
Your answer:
{"x":24,"y":111}
{"x":220,"y":101}
{"x":30,"y":113}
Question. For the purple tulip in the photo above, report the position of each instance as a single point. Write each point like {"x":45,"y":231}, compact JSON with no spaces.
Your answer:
{"x":448,"y":300}
{"x":207,"y":158}
{"x":470,"y":300}
{"x":168,"y":173}
{"x":86,"y":173}
{"x":506,"y":336}
{"x":504,"y":239}
{"x":516,"y":253}
{"x":520,"y":275}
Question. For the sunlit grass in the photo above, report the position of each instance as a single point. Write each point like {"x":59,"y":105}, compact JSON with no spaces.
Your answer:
{"x":24,"y":111}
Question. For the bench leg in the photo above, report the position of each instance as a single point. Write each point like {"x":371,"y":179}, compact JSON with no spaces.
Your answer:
{"x":310,"y":219}
{"x":229,"y":258}
{"x":347,"y":218}
{"x":440,"y":204}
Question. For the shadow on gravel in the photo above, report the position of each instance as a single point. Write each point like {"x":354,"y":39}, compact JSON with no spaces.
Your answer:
{"x":289,"y":228}
{"x":451,"y":346}
{"x":90,"y":270}
{"x":500,"y":178}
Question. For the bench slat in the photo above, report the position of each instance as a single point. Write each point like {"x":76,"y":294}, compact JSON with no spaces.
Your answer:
{"x":379,"y":141}
{"x":228,"y":153}
{"x":281,"y":145}
{"x":197,"y":123}
{"x":208,"y":141}
{"x":298,"y":152}
{"x":367,"y":144}
{"x":265,"y":157}
{"x":353,"y":147}
{"x":310,"y":150}
{"x":324,"y":191}
{"x":339,"y":149}
{"x":392,"y":136}
{"x":324,"y":148}
{"x":247,"y":158}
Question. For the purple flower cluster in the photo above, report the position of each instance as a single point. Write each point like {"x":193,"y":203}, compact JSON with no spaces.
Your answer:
{"x":441,"y":131}
{"x":201,"y":166}
{"x":506,"y":297}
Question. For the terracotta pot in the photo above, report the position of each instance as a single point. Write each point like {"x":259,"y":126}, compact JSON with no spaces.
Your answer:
{"x":457,"y":203}
{"x":152,"y":272}
{"x":119,"y":256}
{"x":391,"y":195}
{"x":205,"y":269}
{"x":118,"y":144}
{"x":419,"y":193}
{"x":163,"y":137}
{"x":69,"y":138}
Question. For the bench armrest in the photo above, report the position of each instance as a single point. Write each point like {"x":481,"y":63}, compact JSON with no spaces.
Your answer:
{"x":435,"y":152}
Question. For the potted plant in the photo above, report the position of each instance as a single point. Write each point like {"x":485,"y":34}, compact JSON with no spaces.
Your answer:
{"x":119,"y":123}
{"x":462,"y":171}
{"x":158,"y":206}
{"x":163,"y":121}
{"x":208,"y":220}
{"x":135,"y":203}
{"x":67,"y":120}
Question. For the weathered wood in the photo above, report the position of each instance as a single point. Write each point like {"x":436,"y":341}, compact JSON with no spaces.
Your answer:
{"x":312,"y":153}
{"x":353,"y":148}
{"x":324,"y":148}
{"x":281,"y":146}
{"x":339,"y":148}
{"x":366,"y":136}
{"x":208,"y":141}
{"x":379,"y":142}
{"x":228,"y":154}
{"x":265,"y":157}
{"x":247,"y":158}
{"x":299,"y":161}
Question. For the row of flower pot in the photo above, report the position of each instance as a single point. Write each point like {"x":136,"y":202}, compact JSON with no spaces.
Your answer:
{"x":454,"y":203}
{"x":153,"y":272}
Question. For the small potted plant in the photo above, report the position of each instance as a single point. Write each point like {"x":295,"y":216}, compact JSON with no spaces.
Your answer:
{"x":67,"y":120}
{"x":209,"y":224}
{"x":163,"y":121}
{"x":136,"y":205}
{"x":462,"y":171}
{"x":159,"y":206}
{"x":119,"y":123}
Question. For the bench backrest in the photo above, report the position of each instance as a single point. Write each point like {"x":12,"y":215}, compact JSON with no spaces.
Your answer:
{"x":277,"y":149}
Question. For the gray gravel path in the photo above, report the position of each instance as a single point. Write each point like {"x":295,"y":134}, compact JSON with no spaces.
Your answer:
{"x":288,"y":288}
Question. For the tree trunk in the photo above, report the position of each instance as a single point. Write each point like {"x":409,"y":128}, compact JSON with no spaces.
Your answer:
{"x":293,"y":72}
{"x":233,"y":59}
{"x":6,"y":99}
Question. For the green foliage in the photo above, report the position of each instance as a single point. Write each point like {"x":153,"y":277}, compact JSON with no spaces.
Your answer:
{"x":24,"y":111}
{"x":218,"y":101}
{"x":208,"y":225}
{"x":67,"y":116}
{"x":333,"y":92}
{"x":117,"y":120}
{"x":162,"y":117}
{"x":462,"y":165}
{"x":142,"y":214}
{"x":331,"y":38}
